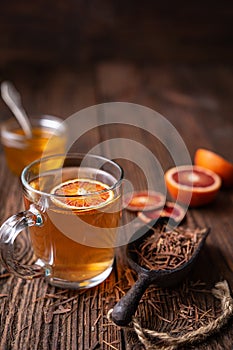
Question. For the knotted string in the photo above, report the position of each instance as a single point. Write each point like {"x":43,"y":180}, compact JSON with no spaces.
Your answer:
{"x":221,"y":292}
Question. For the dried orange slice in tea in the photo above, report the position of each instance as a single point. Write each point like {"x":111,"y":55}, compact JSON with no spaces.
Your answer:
{"x":82,"y":194}
{"x":170,"y":209}
{"x":216,"y":163}
{"x":143,"y":200}
{"x":192,"y":185}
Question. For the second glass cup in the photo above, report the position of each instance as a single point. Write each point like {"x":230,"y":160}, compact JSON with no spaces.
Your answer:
{"x":73,"y":208}
{"x":48,"y":133}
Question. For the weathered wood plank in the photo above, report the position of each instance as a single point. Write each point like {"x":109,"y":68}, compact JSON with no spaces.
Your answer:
{"x":28,"y":322}
{"x":190,"y":99}
{"x":81,"y":31}
{"x":193,"y":109}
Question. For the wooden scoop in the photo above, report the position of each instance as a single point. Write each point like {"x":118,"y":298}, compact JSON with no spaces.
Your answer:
{"x":124,"y":310}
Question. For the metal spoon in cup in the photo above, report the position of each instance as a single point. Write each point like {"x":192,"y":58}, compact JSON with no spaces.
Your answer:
{"x":13,"y":100}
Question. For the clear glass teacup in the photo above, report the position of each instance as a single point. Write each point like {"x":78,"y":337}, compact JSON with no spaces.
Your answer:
{"x":73,"y":209}
{"x":48,"y":134}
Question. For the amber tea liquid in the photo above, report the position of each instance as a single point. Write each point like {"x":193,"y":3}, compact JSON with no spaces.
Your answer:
{"x":49,"y":135}
{"x":20,"y":155}
{"x":75,"y":245}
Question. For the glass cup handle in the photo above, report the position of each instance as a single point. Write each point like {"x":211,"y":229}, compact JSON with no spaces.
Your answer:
{"x":9,"y":231}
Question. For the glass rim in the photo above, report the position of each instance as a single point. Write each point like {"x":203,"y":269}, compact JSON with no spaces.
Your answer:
{"x":37,"y":120}
{"x":66,"y":156}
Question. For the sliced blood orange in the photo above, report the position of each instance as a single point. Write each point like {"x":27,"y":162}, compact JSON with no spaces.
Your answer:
{"x":192,"y":185}
{"x":144,"y":200}
{"x":82,"y":194}
{"x":216,"y":163}
{"x":173,"y":210}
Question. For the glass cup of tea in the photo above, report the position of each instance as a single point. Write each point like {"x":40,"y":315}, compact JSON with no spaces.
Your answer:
{"x":73,"y":209}
{"x":48,"y":133}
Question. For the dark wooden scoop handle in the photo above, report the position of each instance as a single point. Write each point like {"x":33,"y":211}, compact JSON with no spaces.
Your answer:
{"x":126,"y":307}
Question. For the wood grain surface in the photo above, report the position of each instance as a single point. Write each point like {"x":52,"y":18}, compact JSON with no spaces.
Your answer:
{"x":62,"y":31}
{"x":197,"y":100}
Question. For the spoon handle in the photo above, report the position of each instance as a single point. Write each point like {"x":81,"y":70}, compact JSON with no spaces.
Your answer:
{"x":126,"y":307}
{"x":12,"y":98}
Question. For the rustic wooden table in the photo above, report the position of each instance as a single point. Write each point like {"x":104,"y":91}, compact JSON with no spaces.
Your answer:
{"x":197,"y":100}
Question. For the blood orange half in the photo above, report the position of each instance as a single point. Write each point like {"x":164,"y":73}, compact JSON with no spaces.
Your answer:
{"x":143,"y":200}
{"x":173,"y":210}
{"x":82,"y":194}
{"x":192,"y":185}
{"x":216,"y":163}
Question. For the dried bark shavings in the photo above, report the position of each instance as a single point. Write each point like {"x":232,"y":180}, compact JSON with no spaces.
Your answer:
{"x":168,"y":249}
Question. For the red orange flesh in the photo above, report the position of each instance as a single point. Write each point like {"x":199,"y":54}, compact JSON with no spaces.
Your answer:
{"x":173,"y":210}
{"x":144,"y":200}
{"x":192,"y":185}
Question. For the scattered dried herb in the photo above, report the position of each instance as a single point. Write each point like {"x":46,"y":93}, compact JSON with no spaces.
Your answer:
{"x":167,"y":249}
{"x":3,"y":295}
{"x":96,"y":346}
{"x":5,"y":275}
{"x":110,"y":345}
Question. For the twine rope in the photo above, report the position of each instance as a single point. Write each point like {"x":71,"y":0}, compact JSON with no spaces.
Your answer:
{"x":221,"y":291}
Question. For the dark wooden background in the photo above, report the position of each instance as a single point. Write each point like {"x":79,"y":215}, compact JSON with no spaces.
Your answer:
{"x":74,"y":31}
{"x":173,"y":56}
